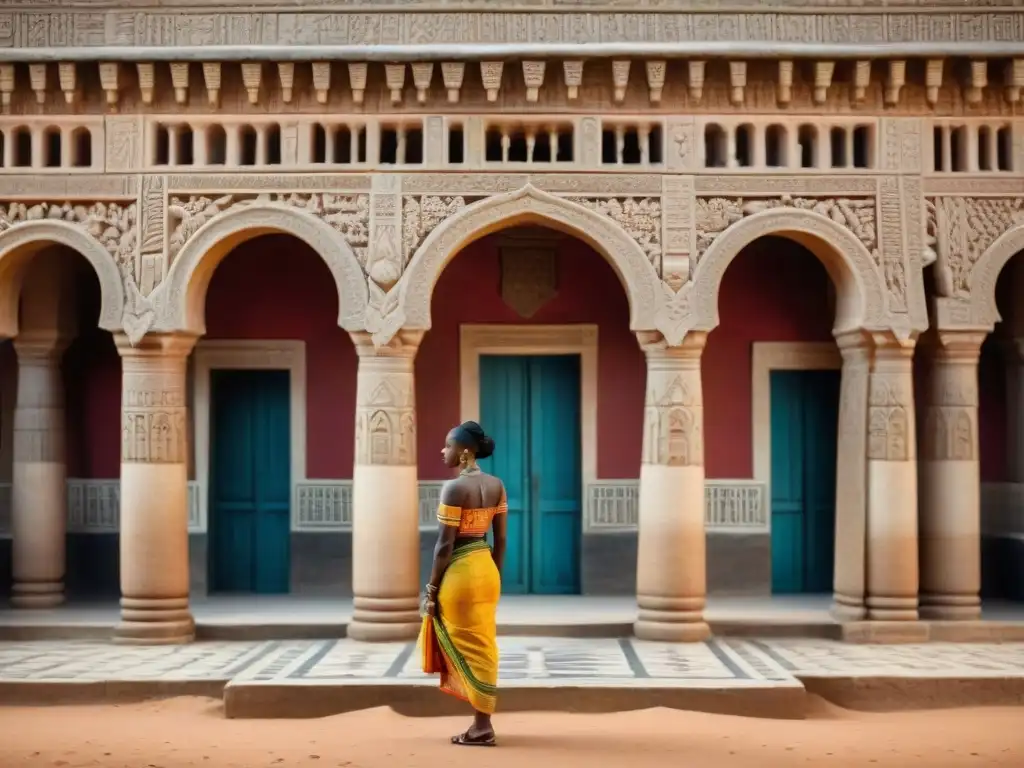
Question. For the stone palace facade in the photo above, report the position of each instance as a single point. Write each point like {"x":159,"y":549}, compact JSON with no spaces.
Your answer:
{"x":720,"y":278}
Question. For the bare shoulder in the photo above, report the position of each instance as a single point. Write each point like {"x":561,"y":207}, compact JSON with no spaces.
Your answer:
{"x":453,"y":493}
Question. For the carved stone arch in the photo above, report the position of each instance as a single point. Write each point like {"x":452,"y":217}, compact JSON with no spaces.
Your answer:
{"x":181,"y":298}
{"x":986,"y":273}
{"x":22,"y":241}
{"x":530,"y":205}
{"x":860,"y":294}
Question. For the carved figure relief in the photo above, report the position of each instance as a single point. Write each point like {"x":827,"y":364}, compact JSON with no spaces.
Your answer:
{"x":153,"y":413}
{"x":959,"y":230}
{"x":673,"y":419}
{"x":951,"y":415}
{"x":890,"y":416}
{"x":639,"y":217}
{"x":385,"y":415}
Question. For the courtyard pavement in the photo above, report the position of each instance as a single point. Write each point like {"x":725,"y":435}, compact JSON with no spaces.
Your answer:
{"x":304,"y":678}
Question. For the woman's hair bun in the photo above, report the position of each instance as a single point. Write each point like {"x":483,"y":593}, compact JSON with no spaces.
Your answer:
{"x":485,"y":447}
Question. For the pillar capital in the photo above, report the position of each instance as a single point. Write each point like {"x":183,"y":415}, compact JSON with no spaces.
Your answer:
{"x":655,"y":346}
{"x":173,"y":345}
{"x":955,"y":346}
{"x":40,"y":346}
{"x":403,"y":345}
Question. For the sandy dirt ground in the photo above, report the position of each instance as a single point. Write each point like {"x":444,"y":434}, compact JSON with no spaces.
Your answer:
{"x":192,"y":732}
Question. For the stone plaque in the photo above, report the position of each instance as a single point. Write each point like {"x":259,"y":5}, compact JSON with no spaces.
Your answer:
{"x":529,"y":276}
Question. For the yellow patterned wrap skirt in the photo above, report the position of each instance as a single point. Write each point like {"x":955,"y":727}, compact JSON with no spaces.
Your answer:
{"x":461,"y":642}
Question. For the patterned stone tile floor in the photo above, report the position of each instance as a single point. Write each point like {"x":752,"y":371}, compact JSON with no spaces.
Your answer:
{"x":619,"y":661}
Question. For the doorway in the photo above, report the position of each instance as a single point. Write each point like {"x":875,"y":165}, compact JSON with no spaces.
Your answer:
{"x":531,"y":406}
{"x":250,"y":481}
{"x":804,"y":429}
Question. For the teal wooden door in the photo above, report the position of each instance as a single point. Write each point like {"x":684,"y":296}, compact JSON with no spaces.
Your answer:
{"x":804,"y":423}
{"x":250,"y":481}
{"x":531,"y":406}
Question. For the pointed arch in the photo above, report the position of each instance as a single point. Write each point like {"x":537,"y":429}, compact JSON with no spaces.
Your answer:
{"x":22,"y":241}
{"x":529,"y":205}
{"x":183,"y":293}
{"x":859,"y":291}
{"x":986,"y":273}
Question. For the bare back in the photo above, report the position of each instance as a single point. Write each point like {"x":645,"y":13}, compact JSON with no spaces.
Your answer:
{"x":481,"y":491}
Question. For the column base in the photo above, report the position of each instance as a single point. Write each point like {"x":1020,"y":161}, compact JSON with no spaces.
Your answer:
{"x":671,"y":632}
{"x":383,"y":620}
{"x":950,"y":607}
{"x":892,"y":609}
{"x":37,"y":595}
{"x":155,"y":622}
{"x":845,"y":608}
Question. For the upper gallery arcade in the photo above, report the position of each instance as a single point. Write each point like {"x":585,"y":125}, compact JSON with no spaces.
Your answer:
{"x":722,"y":285}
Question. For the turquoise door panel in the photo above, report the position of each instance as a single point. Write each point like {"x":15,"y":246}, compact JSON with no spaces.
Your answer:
{"x":503,"y":412}
{"x":804,"y":423}
{"x":531,"y":406}
{"x":821,"y":428}
{"x":787,"y":482}
{"x":250,"y":481}
{"x":555,"y":473}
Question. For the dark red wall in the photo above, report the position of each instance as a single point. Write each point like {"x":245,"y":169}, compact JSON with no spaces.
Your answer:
{"x":276,"y":287}
{"x":469,"y":291}
{"x":774,"y":290}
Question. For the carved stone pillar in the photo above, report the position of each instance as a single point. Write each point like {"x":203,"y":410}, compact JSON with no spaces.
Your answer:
{"x":671,"y":573}
{"x":849,"y":587}
{"x":950,"y":514}
{"x":385,"y":492}
{"x":154,"y":492}
{"x":39,"y":475}
{"x":892,"y":544}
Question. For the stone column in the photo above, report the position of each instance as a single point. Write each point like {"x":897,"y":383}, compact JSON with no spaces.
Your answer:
{"x":154,"y":492}
{"x":671,"y":571}
{"x":950,"y":513}
{"x":39,"y":475}
{"x":892,"y":546}
{"x":385,"y":492}
{"x":849,"y":587}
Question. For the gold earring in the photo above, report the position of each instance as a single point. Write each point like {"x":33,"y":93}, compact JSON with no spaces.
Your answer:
{"x":463,"y":460}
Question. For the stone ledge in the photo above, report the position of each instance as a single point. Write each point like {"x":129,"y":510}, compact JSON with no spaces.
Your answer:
{"x":893,"y":694}
{"x":785,"y":700}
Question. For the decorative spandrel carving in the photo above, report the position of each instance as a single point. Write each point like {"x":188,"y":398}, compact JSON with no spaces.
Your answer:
{"x":421,"y":214}
{"x":959,"y":230}
{"x":346,"y":214}
{"x":639,"y":217}
{"x":716,"y":214}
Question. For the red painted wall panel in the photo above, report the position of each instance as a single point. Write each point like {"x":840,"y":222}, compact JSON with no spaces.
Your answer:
{"x":275,"y":287}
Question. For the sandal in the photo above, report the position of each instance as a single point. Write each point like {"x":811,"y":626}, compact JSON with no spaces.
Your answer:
{"x":465,"y":740}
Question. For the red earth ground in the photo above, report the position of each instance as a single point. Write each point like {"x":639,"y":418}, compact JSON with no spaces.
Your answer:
{"x":192,"y":732}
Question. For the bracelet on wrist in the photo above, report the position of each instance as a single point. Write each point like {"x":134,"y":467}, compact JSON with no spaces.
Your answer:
{"x":431,"y":589}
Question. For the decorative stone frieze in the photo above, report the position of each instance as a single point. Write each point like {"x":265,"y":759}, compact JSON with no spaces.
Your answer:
{"x":346,"y":214}
{"x":714,"y":215}
{"x":959,"y":230}
{"x":640,"y":218}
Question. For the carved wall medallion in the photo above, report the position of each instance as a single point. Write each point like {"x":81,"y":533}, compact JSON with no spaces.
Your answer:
{"x":529,"y":276}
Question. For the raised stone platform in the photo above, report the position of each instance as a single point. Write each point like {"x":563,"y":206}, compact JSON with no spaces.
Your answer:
{"x":312,"y":678}
{"x":302,"y":618}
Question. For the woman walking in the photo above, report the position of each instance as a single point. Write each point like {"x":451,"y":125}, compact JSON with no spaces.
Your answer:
{"x":459,"y":636}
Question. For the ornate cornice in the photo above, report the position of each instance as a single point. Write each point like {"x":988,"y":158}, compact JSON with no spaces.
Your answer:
{"x":87,"y":30}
